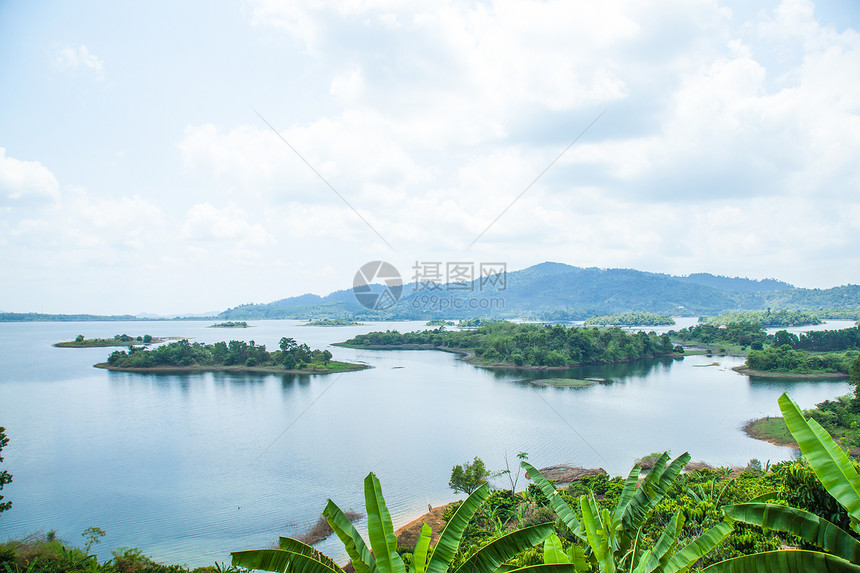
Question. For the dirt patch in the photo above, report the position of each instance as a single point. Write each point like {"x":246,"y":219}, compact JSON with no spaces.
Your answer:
{"x":563,"y":474}
{"x":322,"y":529}
{"x":407,"y":536}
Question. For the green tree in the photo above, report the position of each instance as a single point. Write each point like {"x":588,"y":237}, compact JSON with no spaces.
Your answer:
{"x":841,"y":551}
{"x":380,"y":555}
{"x":5,"y":477}
{"x":613,"y":537}
{"x":469,"y":476}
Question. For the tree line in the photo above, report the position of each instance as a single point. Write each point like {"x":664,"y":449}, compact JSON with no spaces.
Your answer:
{"x":532,"y":344}
{"x":236,"y":352}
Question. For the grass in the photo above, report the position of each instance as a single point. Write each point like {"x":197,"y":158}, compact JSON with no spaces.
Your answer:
{"x":771,"y":429}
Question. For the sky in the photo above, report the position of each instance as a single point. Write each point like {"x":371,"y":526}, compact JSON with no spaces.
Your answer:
{"x":187,"y":157}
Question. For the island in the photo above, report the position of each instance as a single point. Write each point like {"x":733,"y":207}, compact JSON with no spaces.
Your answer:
{"x":231,"y":324}
{"x":767,"y":318}
{"x":332,"y":322}
{"x":526,"y":346}
{"x":234,"y":356}
{"x":439,"y":322}
{"x":631,"y":319}
{"x":117,"y":340}
{"x":840,"y":417}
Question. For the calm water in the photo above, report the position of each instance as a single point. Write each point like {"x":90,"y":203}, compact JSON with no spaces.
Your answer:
{"x":189,"y":468}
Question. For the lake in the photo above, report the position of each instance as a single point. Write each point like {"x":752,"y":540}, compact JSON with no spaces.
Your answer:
{"x":191,"y":467}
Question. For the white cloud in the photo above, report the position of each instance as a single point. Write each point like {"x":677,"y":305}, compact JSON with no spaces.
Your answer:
{"x":205,"y":222}
{"x":73,"y":58}
{"x":23,"y":183}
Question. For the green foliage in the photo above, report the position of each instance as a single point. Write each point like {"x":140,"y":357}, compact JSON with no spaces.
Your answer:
{"x":739,"y":333}
{"x":767,"y":319}
{"x":5,"y":476}
{"x":531,"y":344}
{"x":469,"y":476}
{"x":616,"y":535}
{"x":840,"y":479}
{"x":45,"y":553}
{"x":631,"y":319}
{"x":236,"y":352}
{"x":785,"y":359}
{"x":381,"y":556}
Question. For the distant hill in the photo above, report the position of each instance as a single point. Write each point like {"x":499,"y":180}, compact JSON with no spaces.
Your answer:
{"x":735,"y":284}
{"x":555,"y":291}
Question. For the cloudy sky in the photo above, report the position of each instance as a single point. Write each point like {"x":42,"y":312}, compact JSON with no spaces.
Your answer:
{"x":139,"y":171}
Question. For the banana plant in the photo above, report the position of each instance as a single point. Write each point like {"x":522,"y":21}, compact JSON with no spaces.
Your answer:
{"x":841,"y":551}
{"x":293,"y":556}
{"x":612,"y":536}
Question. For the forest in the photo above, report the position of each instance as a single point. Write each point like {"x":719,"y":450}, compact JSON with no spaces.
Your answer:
{"x":530,"y":344}
{"x":631,"y":319}
{"x":182,"y":353}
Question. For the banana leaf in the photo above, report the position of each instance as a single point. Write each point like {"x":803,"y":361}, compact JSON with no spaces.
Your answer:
{"x":658,"y":555}
{"x":419,"y":557}
{"x":561,"y":508}
{"x":296,"y":546}
{"x":793,"y":561}
{"x":829,"y":462}
{"x":280,"y":561}
{"x":380,"y":528}
{"x":649,"y":493}
{"x":804,"y":524}
{"x":695,"y":550}
{"x":546,"y":568}
{"x":361,"y":557}
{"x":449,"y":541}
{"x":488,"y":558}
{"x":553,"y":552}
{"x":630,"y":487}
{"x":598,"y":534}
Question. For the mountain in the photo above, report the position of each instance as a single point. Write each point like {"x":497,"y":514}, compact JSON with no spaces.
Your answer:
{"x":556,"y":291}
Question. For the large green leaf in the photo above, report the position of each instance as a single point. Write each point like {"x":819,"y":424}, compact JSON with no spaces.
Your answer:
{"x":598,"y":533}
{"x":449,"y":541}
{"x":419,"y":557}
{"x":362,"y":558}
{"x":829,"y":462}
{"x":488,"y":558}
{"x":296,"y":546}
{"x":546,"y":568}
{"x":280,"y":561}
{"x":792,"y":561}
{"x":697,"y":549}
{"x":553,"y":552}
{"x":652,"y":489}
{"x":630,"y":487}
{"x":561,"y":508}
{"x":659,"y":554}
{"x":380,"y":528}
{"x":804,"y":524}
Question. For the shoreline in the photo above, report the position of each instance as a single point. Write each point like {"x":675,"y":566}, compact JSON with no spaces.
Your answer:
{"x":469,"y":356}
{"x":742,"y":369}
{"x":349,"y":367}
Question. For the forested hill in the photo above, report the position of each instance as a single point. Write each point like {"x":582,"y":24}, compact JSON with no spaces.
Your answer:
{"x":555,"y":291}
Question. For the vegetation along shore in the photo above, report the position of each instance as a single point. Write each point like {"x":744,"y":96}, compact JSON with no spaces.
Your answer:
{"x":117,"y":340}
{"x":234,"y":356}
{"x":509,"y":345}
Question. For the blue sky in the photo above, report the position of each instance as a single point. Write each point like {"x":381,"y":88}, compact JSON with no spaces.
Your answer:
{"x":136,"y":175}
